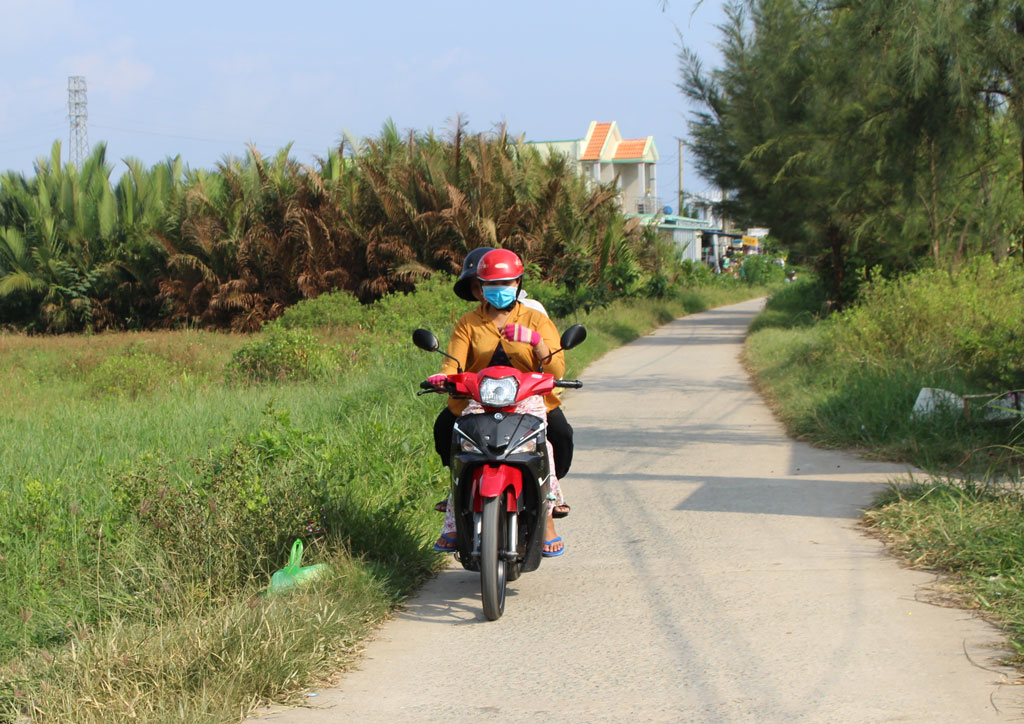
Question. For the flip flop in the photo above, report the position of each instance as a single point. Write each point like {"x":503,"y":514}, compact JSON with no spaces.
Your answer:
{"x":451,"y":539}
{"x":556,"y":513}
{"x":553,"y":554}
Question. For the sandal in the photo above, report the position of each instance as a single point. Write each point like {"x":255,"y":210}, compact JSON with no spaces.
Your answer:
{"x":451,"y":538}
{"x":560,"y":511}
{"x":553,"y":554}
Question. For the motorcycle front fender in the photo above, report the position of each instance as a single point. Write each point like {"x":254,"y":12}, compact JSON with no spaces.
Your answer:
{"x":490,"y":481}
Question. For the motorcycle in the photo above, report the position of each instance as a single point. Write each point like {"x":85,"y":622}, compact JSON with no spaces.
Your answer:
{"x":500,"y":472}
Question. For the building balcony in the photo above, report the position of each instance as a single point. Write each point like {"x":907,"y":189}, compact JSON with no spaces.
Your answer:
{"x":641,"y":204}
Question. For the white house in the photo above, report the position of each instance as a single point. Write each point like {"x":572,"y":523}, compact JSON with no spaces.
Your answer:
{"x":603,"y":155}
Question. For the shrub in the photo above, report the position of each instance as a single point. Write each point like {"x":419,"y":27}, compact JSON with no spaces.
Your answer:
{"x":760,"y":269}
{"x":433,"y":305}
{"x":281,"y":354}
{"x":798,"y":304}
{"x":335,"y":309}
{"x":544,"y":292}
{"x":937,"y":322}
{"x":693,"y":273}
{"x":130,"y":373}
{"x":237,"y":514}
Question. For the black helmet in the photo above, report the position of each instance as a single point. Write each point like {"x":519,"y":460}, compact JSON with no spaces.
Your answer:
{"x":464,"y":284}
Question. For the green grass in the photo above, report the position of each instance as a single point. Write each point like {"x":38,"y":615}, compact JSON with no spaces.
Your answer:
{"x":150,"y":484}
{"x":850,"y":380}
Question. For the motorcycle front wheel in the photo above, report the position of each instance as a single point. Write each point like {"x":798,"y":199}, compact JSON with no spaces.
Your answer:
{"x":493,"y":574}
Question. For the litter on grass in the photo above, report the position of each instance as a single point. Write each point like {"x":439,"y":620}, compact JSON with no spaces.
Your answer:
{"x":295,"y":574}
{"x":932,"y":400}
{"x":992,"y":407}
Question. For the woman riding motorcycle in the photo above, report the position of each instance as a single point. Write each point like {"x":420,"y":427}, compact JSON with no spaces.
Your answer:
{"x":503,"y":331}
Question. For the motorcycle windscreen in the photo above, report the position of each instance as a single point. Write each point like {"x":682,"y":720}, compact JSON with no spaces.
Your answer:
{"x":490,"y":481}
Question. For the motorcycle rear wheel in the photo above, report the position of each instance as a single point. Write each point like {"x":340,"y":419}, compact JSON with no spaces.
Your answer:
{"x":493,"y":574}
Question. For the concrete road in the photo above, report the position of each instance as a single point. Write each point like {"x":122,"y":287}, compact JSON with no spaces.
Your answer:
{"x":714,"y":573}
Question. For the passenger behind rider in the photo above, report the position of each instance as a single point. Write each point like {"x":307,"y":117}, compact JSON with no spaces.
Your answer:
{"x":502,"y":330}
{"x":559,"y":430}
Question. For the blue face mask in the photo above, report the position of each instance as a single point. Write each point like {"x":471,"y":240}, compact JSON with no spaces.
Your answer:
{"x":500,"y":297}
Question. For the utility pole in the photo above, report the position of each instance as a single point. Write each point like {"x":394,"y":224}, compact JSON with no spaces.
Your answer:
{"x":680,"y":209}
{"x":78,"y":133}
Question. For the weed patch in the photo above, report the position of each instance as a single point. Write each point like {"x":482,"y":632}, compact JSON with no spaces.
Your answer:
{"x":129,"y":374}
{"x":972,"y":532}
{"x":282,"y":354}
{"x":850,"y":380}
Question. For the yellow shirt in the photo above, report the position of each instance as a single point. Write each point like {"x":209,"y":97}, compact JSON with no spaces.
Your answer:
{"x":476,"y":338}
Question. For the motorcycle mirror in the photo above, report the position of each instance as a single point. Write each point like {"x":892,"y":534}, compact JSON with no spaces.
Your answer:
{"x":425,"y":340}
{"x":573,"y":336}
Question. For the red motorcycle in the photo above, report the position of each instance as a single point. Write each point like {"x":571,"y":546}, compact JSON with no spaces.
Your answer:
{"x":500,"y":473}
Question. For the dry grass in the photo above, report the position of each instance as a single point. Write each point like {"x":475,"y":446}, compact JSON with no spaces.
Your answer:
{"x":71,"y":356}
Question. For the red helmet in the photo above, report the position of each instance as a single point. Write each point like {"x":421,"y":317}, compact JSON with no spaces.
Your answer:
{"x":499,"y":265}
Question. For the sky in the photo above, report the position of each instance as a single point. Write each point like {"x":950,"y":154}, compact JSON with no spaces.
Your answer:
{"x":204,"y":79}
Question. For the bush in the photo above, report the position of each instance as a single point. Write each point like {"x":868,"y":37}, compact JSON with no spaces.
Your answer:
{"x":281,"y":354}
{"x":335,"y":309}
{"x":236,"y":515}
{"x":432,"y":305}
{"x":851,"y":381}
{"x":937,"y":322}
{"x":130,"y":374}
{"x":544,"y":292}
{"x":693,"y":273}
{"x":800,"y":303}
{"x":760,"y":269}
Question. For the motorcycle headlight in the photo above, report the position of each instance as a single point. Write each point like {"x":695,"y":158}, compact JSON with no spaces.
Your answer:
{"x":528,"y":446}
{"x":498,"y":391}
{"x":468,"y":447}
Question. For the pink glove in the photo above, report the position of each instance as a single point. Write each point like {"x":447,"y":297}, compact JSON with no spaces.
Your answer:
{"x":519,"y":333}
{"x":437,"y":380}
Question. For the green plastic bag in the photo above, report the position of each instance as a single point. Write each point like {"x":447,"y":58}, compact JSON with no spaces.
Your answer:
{"x":295,"y":574}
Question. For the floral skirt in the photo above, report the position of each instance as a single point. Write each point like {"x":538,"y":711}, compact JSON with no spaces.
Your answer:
{"x":533,"y":405}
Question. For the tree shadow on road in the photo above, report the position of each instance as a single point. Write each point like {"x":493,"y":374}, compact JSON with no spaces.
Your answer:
{"x":797,"y":495}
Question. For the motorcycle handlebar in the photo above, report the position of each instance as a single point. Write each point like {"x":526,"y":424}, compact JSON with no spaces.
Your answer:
{"x":427,"y":388}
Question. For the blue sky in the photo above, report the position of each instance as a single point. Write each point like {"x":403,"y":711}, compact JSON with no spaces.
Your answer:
{"x":202,"y":79}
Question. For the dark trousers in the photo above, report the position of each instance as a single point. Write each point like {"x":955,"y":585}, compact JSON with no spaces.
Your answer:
{"x":559,"y":433}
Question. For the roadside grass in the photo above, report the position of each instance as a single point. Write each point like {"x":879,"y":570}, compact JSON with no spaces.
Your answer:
{"x":146,"y":501}
{"x":850,"y":381}
{"x":204,"y":669}
{"x":972,"y":532}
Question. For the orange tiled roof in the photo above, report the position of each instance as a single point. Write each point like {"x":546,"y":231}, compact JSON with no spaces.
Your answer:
{"x":593,"y":152}
{"x":631,"y":148}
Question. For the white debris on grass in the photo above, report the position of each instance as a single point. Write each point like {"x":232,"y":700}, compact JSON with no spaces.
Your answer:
{"x":932,"y":400}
